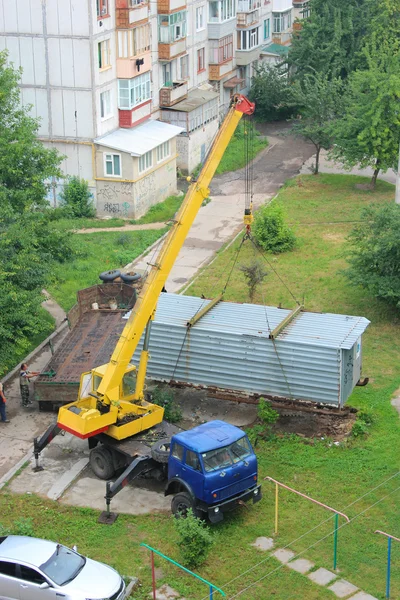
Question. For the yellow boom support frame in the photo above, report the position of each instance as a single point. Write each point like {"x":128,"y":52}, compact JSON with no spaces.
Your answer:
{"x":85,"y":419}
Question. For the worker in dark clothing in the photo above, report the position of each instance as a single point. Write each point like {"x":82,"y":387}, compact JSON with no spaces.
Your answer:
{"x":24,"y":377}
{"x":3,"y":406}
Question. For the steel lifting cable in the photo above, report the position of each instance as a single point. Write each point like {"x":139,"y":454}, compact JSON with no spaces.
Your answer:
{"x":184,"y":340}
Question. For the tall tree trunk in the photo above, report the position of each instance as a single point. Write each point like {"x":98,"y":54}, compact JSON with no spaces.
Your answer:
{"x":375,"y":175}
{"x":316,"y":170}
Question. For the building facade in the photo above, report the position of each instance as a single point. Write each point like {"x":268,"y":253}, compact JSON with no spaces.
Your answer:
{"x":96,"y":71}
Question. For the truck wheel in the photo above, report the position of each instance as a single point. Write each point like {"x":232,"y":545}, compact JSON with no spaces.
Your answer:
{"x":181,"y":503}
{"x":160,"y":451}
{"x":102,"y":463}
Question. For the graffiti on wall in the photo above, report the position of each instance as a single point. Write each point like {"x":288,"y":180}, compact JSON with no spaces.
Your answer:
{"x":112,"y":199}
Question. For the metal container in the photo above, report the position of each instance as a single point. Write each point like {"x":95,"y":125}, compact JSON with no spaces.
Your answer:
{"x":316,"y":357}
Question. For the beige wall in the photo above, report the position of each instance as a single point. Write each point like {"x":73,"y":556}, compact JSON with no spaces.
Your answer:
{"x":133,"y":198}
{"x":189,"y":147}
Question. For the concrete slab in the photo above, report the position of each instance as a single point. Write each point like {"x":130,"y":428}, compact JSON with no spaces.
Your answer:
{"x":363,"y":596}
{"x":283,"y":555}
{"x":301,"y":565}
{"x":143,"y":497}
{"x":264,"y":543}
{"x":322,"y":576}
{"x":59,"y":486}
{"x":166,"y":592}
{"x":342,"y":588}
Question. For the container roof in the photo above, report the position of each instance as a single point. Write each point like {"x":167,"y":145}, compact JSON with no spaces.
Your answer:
{"x":255,"y":320}
{"x":209,"y":436}
{"x":139,"y":140}
{"x":194,"y":99}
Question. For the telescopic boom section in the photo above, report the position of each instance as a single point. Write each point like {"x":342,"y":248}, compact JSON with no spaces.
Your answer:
{"x":145,"y":306}
{"x":160,"y":270}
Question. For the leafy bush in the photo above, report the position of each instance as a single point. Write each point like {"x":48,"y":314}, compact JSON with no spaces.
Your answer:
{"x":164,"y":397}
{"x":374,"y":253}
{"x":77,"y":198}
{"x":359,"y":429}
{"x":266,"y":413}
{"x":195,"y":539}
{"x":271,"y":232}
{"x":272,"y":93}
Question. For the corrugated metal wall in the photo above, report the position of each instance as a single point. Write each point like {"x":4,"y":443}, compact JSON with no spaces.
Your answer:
{"x":229,"y":348}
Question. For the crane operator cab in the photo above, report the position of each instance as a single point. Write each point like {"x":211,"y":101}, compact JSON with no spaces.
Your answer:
{"x":122,"y":415}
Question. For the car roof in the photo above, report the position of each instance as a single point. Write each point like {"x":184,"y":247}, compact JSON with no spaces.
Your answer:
{"x":25,"y":549}
{"x":209,"y":436}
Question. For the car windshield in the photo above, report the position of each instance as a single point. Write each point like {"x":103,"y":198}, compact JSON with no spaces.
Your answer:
{"x":63,"y":566}
{"x":227,"y":456}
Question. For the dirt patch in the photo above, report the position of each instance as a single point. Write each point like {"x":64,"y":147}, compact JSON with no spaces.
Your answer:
{"x":366,"y":187}
{"x":314,"y":425}
{"x":337,"y":238}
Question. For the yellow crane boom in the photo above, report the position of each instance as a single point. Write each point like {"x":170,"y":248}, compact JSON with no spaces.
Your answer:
{"x":107,"y":401}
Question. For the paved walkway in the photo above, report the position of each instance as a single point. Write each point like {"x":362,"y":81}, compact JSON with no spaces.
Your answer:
{"x":218,"y":221}
{"x":329,"y":166}
{"x":127,"y":227}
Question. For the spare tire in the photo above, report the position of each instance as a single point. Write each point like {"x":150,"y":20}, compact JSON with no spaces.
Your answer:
{"x":109,"y":275}
{"x":130,"y":277}
{"x":160,"y":451}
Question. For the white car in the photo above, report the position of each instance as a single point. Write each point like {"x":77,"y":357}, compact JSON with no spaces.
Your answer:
{"x":34,"y":569}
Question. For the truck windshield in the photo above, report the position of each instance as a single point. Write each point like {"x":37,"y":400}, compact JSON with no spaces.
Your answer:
{"x":227,"y":456}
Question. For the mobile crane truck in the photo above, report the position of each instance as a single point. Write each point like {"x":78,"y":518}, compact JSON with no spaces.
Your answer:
{"x":210,"y":468}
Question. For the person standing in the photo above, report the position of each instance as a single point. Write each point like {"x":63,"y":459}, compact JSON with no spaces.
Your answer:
{"x":24,"y":376}
{"x":3,"y":406}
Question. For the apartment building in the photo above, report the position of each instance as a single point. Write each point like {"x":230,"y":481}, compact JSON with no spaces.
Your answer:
{"x":129,"y":90}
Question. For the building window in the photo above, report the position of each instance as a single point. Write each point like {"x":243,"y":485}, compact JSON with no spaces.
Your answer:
{"x":267,"y":28}
{"x":163,"y":151}
{"x":102,"y":8}
{"x":184,"y":62}
{"x":305,"y":10}
{"x":282,"y":21}
{"x":132,"y":92}
{"x":248,"y":5}
{"x":243,"y":76}
{"x":248,"y":39}
{"x":200,"y":18}
{"x":112,"y":165}
{"x":172,"y":27}
{"x":104,"y":54}
{"x":201,"y":65}
{"x":221,"y":50}
{"x":133,"y":42}
{"x":146,"y":161}
{"x":105,"y":104}
{"x":221,"y":10}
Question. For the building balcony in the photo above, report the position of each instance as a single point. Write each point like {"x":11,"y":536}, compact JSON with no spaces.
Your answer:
{"x":168,"y":6}
{"x":136,"y":65}
{"x":247,"y":19}
{"x":132,"y":15}
{"x":171,"y":51}
{"x":218,"y":72}
{"x":246,"y":6}
{"x":284,"y":38}
{"x":171,"y":94}
{"x":245,"y":57}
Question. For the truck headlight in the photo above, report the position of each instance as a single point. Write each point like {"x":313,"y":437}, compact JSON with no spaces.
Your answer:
{"x":216,"y":509}
{"x":255,"y":492}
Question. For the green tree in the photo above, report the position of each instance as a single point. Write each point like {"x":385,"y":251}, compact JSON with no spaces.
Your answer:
{"x":330,"y":40}
{"x":368,"y":135}
{"x":29,"y":242}
{"x":374,"y":253}
{"x":25,"y":164}
{"x":319,"y":99}
{"x":271,"y":92}
{"x":271,"y":231}
{"x":77,"y":198}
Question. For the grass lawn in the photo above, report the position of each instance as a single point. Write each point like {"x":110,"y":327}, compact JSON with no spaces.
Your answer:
{"x":321,"y":210}
{"x":97,"y":252}
{"x":234,"y":157}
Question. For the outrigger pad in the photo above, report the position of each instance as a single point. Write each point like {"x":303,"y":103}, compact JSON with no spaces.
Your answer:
{"x":107,"y":518}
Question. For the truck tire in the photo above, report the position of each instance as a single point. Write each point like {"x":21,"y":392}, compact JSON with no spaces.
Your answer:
{"x":109,"y":275}
{"x":160,"y":451}
{"x":181,"y":503}
{"x":102,"y":463}
{"x":130,"y":277}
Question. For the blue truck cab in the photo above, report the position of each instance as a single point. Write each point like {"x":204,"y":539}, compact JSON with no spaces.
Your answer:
{"x":211,"y":469}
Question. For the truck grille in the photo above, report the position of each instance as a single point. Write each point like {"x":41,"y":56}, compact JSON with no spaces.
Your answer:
{"x":235,"y":488}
